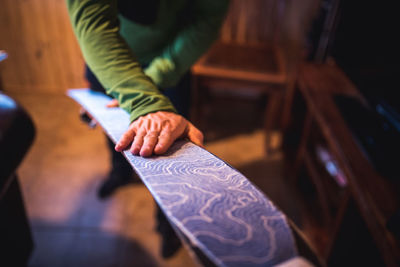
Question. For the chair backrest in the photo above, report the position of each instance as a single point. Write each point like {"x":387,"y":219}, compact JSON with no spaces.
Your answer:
{"x":253,"y":21}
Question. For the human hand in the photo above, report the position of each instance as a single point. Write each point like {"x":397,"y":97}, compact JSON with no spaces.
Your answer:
{"x":156,"y":132}
{"x":113,"y":104}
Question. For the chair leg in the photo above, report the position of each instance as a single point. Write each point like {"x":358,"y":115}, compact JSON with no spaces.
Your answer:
{"x":287,"y":105}
{"x":271,"y":113}
{"x":195,"y":110}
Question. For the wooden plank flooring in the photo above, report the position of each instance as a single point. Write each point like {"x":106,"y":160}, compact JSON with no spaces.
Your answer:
{"x":213,"y":205}
{"x":68,"y":161}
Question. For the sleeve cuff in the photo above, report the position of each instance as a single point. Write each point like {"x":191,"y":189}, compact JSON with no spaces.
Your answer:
{"x":139,"y":112}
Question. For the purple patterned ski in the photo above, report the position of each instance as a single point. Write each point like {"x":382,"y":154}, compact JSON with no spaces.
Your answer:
{"x":216,"y":208}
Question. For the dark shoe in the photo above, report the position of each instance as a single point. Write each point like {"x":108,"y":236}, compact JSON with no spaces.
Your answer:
{"x":170,"y":245}
{"x":112,"y":183}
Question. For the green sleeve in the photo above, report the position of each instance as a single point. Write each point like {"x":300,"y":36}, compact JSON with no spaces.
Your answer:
{"x":190,"y":43}
{"x":96,"y":27}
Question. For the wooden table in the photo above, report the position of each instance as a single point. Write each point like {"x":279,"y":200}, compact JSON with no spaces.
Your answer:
{"x":375,"y":197}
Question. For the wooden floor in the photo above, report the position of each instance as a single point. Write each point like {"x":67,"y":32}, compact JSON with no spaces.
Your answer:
{"x":67,"y":163}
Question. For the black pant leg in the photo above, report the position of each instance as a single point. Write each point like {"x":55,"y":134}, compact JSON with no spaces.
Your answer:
{"x":180,"y":97}
{"x":119,"y":164}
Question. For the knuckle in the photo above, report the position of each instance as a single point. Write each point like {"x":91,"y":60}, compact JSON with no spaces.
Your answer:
{"x":165,"y":135}
{"x":166,"y":123}
{"x":141,"y":132}
{"x":153,"y":133}
{"x":125,"y":137}
{"x":151,"y":137}
{"x":137,"y":142}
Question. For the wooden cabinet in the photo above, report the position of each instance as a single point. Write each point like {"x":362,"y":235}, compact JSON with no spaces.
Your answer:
{"x":340,"y":173}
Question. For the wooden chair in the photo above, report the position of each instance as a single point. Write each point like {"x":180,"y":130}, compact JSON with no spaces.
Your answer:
{"x":247,"y":56}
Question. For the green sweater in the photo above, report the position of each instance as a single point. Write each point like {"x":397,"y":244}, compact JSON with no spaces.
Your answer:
{"x":115,"y":47}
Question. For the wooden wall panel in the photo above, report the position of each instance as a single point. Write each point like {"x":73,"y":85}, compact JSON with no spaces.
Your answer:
{"x":260,"y":21}
{"x":44,"y":56}
{"x":251,"y":21}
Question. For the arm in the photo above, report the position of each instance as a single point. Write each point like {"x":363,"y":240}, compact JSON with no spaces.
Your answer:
{"x":96,"y":27}
{"x":155,"y":125}
{"x":190,"y":43}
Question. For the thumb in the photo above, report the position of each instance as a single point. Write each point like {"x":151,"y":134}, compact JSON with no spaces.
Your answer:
{"x":195,"y":135}
{"x":113,"y":104}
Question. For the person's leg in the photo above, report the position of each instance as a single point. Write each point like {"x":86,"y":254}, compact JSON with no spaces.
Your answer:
{"x":180,"y":95}
{"x":170,"y":243}
{"x":121,"y":172}
{"x":180,"y":98}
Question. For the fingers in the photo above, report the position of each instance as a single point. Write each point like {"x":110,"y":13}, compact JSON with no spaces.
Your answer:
{"x":138,"y":142}
{"x":195,"y":135}
{"x":113,"y":104}
{"x":156,"y":132}
{"x":165,"y":140}
{"x":125,"y":139}
{"x":149,"y":142}
{"x":167,"y":137}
